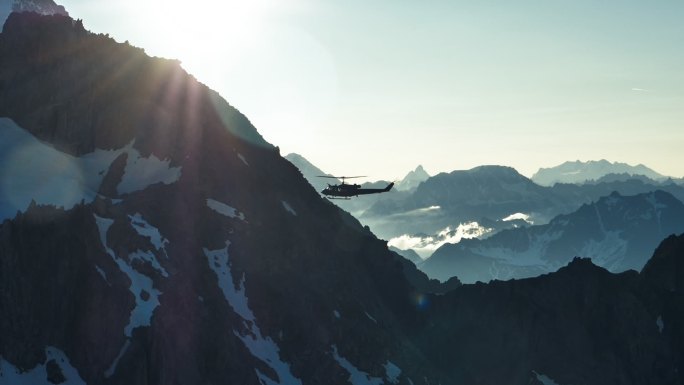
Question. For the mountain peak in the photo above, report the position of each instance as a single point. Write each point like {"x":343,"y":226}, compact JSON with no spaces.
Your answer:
{"x":42,"y":7}
{"x":413,"y":179}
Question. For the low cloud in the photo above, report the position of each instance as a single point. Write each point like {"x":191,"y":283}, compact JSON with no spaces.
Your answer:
{"x":425,"y":245}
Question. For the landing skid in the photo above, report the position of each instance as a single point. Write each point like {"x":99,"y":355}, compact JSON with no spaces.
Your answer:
{"x":344,"y":199}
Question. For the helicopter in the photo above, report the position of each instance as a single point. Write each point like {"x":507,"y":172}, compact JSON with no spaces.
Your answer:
{"x":346,"y":191}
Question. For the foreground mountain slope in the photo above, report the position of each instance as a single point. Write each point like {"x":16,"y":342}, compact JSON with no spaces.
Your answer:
{"x":185,"y":250}
{"x":517,"y":332}
{"x":617,"y":232}
{"x":174,"y":265}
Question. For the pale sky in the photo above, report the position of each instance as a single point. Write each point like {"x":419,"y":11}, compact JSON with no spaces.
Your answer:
{"x":377,"y":87}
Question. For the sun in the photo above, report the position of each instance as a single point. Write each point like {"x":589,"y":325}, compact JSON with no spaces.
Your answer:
{"x":197,"y":33}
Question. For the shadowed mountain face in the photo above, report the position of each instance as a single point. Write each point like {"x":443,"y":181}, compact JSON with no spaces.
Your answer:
{"x":616,"y":232}
{"x":580,"y":172}
{"x":191,"y":252}
{"x":520,"y":326}
{"x":156,"y":238}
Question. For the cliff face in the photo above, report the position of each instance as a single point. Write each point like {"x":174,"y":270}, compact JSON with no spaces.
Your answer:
{"x":176,"y":246}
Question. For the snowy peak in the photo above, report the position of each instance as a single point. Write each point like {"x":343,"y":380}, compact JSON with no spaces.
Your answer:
{"x":41,"y":7}
{"x":580,"y":172}
{"x":412,"y":179}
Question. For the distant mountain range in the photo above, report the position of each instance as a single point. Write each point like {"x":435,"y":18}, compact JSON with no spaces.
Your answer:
{"x":616,"y":232}
{"x":445,"y":207}
{"x":580,"y":172}
{"x":487,"y":195}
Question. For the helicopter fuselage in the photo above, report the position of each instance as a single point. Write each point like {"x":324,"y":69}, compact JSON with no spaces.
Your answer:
{"x":351,"y":190}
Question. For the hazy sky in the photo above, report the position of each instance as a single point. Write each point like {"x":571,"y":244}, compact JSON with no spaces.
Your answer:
{"x":378,"y":87}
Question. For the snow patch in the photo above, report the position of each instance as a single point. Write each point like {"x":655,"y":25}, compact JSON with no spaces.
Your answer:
{"x":356,"y":377}
{"x":218,"y":262}
{"x":242,"y":158}
{"x":11,"y":375}
{"x":289,"y":208}
{"x":148,"y":257}
{"x":224,"y":209}
{"x":141,"y":173}
{"x":141,"y":315}
{"x":336,"y":314}
{"x":392,"y":372}
{"x":544,"y":379}
{"x":144,"y":229}
{"x":608,"y":252}
{"x":370,"y":318}
{"x":660,"y":324}
{"x":259,"y":346}
{"x":102,"y":274}
{"x":518,"y":216}
{"x":33,"y":170}
{"x":112,"y":368}
{"x":532,"y":256}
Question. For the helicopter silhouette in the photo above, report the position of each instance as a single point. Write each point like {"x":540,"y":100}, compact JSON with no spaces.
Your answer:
{"x":346,"y":191}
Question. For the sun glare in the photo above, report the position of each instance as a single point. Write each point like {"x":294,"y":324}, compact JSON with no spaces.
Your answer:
{"x":198,"y":33}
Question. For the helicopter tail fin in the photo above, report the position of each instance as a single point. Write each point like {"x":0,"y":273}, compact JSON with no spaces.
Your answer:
{"x":389,"y":187}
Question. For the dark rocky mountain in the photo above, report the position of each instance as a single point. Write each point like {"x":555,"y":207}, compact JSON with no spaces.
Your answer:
{"x":580,"y":172}
{"x":616,"y":232}
{"x":175,"y":246}
{"x":408,"y":254}
{"x":521,"y":326}
{"x":194,"y":253}
{"x":411,"y":181}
